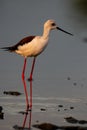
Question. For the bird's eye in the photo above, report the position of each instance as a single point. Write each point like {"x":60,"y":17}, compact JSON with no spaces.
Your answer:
{"x":53,"y":24}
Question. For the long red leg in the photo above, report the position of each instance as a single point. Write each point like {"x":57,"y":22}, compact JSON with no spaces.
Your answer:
{"x":25,"y":118}
{"x":24,"y":83}
{"x":30,"y":117}
{"x":24,"y":67}
{"x":30,"y":103}
{"x":32,"y":69}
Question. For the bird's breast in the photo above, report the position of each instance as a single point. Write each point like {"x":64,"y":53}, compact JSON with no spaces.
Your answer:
{"x":39,"y":46}
{"x":33,"y":48}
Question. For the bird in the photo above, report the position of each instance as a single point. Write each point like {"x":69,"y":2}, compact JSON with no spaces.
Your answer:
{"x":32,"y":46}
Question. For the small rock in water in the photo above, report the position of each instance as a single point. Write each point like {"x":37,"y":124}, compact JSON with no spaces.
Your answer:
{"x":14,"y":93}
{"x":85,"y":40}
{"x":58,"y":109}
{"x":23,"y":112}
{"x":68,"y":78}
{"x":65,"y":109}
{"x":71,"y":107}
{"x":1,"y":113}
{"x":43,"y":109}
{"x":82,"y":122}
{"x":71,"y":120}
{"x":1,"y":108}
{"x":60,"y":105}
{"x":75,"y":84}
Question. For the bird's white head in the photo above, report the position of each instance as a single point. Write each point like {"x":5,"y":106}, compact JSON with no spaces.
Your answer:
{"x":51,"y":25}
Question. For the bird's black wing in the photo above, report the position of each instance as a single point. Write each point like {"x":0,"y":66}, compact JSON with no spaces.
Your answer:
{"x":20,"y":43}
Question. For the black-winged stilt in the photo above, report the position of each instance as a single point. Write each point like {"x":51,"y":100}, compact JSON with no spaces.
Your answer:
{"x":32,"y":46}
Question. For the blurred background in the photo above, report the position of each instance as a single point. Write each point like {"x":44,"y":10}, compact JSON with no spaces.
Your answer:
{"x":65,"y":56}
{"x":60,"y":75}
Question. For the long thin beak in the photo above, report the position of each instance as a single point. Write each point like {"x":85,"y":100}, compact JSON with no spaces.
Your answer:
{"x":64,"y":31}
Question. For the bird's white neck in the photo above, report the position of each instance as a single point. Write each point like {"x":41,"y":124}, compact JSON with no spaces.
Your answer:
{"x":46,"y":33}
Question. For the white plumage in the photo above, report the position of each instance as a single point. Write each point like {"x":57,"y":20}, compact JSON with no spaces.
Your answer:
{"x":32,"y":46}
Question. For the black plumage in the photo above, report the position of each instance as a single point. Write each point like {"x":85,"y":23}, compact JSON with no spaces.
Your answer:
{"x":20,"y":43}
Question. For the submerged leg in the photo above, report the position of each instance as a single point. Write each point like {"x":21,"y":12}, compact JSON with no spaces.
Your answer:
{"x":32,"y":69}
{"x":30,"y":103}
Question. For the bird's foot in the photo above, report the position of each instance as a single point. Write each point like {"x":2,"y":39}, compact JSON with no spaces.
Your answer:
{"x":30,"y":107}
{"x":30,"y":79}
{"x":27,"y":107}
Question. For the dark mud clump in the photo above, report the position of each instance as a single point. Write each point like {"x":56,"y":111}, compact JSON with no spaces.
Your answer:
{"x":75,"y":84}
{"x":71,"y":120}
{"x":13,"y":93}
{"x":43,"y":109}
{"x":1,"y":108}
{"x":49,"y":126}
{"x":1,"y":113}
{"x":60,"y":106}
{"x":23,"y":112}
{"x":16,"y":127}
{"x":68,"y":78}
{"x":71,"y":107}
{"x":46,"y":126}
{"x":85,"y":40}
{"x":74,"y":120}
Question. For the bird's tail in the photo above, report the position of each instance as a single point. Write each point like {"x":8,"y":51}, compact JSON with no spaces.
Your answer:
{"x":10,"y":49}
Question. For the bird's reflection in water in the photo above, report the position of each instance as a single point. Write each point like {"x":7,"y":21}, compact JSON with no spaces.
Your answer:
{"x":28,"y":112}
{"x":27,"y":117}
{"x":28,"y":101}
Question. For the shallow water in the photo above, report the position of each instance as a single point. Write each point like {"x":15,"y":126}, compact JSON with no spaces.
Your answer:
{"x":60,"y":75}
{"x":51,"y":101}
